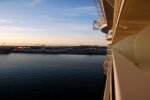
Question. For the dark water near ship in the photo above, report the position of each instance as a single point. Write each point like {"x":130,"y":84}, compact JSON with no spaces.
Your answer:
{"x":51,"y":77}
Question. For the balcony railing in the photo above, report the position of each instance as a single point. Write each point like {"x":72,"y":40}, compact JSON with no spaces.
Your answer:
{"x":102,"y":23}
{"x":107,"y":63}
{"x":108,"y":95}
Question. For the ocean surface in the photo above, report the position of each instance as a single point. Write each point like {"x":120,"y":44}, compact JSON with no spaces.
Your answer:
{"x":51,"y":77}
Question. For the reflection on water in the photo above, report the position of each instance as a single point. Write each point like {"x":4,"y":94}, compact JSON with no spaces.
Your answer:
{"x":51,"y":77}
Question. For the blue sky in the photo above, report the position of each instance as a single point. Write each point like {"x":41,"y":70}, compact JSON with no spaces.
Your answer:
{"x":49,"y":22}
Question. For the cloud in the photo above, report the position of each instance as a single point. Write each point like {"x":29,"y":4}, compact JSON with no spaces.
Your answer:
{"x":18,"y":28}
{"x":80,"y":11}
{"x":35,"y":2}
{"x":46,"y":17}
{"x":4,"y":21}
{"x":64,"y":34}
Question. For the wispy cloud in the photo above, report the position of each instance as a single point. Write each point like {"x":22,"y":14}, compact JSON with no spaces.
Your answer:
{"x":35,"y":2}
{"x":46,"y":17}
{"x":18,"y":28}
{"x":4,"y":21}
{"x":79,"y":11}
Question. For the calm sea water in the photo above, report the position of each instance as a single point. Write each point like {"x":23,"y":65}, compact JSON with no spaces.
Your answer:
{"x":51,"y":77}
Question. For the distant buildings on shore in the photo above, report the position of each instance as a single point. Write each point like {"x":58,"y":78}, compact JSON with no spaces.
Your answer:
{"x":87,"y":50}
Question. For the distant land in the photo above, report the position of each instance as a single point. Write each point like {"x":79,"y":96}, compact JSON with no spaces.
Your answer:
{"x":78,"y":50}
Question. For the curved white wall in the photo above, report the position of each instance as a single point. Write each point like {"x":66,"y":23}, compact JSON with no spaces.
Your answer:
{"x":142,"y":49}
{"x":137,"y":49}
{"x":126,"y":46}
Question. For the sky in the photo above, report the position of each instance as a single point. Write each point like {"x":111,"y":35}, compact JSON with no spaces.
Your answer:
{"x":49,"y":22}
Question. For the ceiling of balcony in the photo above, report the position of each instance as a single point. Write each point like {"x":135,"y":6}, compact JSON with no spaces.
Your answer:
{"x":135,"y":15}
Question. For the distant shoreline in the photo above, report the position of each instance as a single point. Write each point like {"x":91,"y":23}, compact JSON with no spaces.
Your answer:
{"x":76,"y":50}
{"x":56,"y":53}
